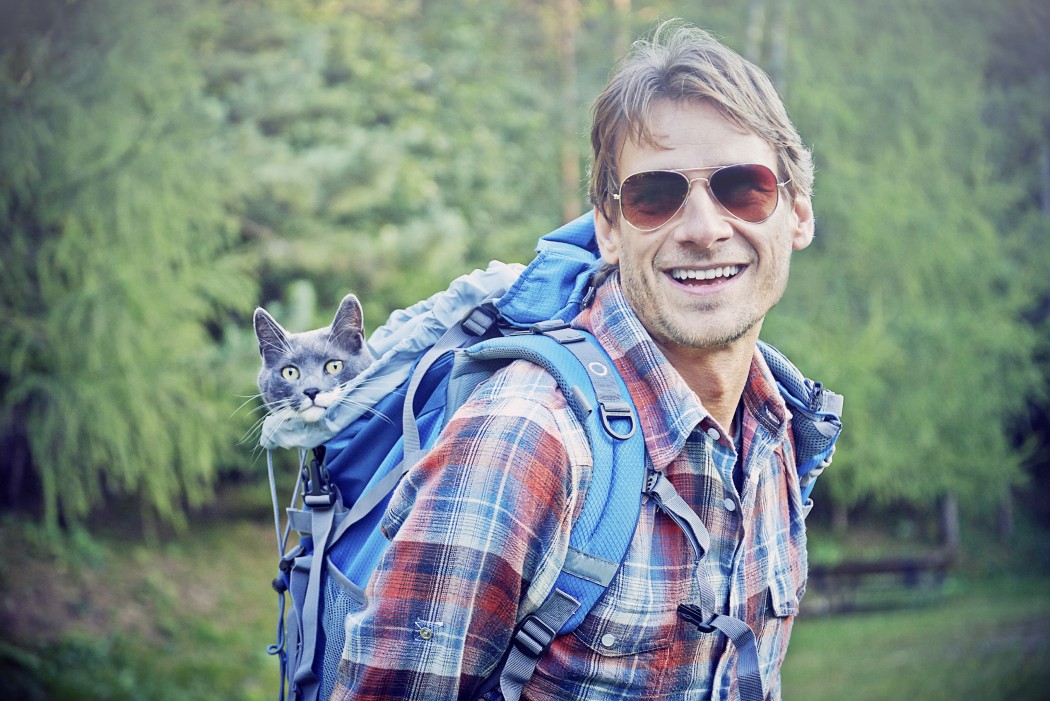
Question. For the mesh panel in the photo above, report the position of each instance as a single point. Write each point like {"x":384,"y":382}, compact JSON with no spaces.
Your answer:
{"x":338,"y":604}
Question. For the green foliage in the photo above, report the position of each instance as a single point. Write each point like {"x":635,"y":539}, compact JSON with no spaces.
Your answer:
{"x":114,"y":259}
{"x":909,"y":302}
{"x":139,"y":621}
{"x":393,"y":146}
{"x":164,"y":167}
{"x":983,"y":639}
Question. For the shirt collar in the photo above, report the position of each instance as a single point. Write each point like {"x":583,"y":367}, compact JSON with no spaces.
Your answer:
{"x":668,"y":410}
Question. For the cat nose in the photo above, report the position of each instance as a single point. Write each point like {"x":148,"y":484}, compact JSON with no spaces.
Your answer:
{"x":312,"y":393}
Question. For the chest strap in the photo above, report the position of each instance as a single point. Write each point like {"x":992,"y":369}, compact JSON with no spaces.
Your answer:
{"x":702,"y":614}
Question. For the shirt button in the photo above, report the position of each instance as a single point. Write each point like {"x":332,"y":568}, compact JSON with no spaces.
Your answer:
{"x":608,"y":640}
{"x":713,"y":433}
{"x":426,"y":633}
{"x":729,"y":504}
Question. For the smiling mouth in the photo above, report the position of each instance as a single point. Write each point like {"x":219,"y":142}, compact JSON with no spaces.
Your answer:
{"x":705,"y":277}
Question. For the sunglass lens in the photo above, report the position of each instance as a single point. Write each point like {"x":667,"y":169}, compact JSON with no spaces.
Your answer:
{"x":647,"y":200}
{"x":749,"y":192}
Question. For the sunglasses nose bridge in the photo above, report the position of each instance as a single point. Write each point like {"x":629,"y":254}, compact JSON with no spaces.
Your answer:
{"x":707,"y":186}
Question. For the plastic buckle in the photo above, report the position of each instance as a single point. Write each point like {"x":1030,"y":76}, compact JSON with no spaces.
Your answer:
{"x":533,"y":637}
{"x":548,"y":326}
{"x":695,"y":615}
{"x":317,"y":487}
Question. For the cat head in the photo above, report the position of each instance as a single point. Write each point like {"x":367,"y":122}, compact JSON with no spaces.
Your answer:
{"x":302,"y":372}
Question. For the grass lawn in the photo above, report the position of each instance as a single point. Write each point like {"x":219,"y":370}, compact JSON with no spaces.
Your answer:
{"x":182,"y":618}
{"x":987,"y":640}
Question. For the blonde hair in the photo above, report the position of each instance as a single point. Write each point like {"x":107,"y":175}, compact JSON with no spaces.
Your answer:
{"x":683,"y":63}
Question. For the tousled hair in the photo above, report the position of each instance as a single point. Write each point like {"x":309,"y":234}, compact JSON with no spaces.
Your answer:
{"x":682,"y":63}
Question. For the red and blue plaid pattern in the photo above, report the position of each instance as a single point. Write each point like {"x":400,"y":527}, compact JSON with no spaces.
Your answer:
{"x":480,"y":528}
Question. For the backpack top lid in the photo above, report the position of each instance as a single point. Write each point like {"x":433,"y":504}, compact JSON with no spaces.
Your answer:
{"x":556,"y":283}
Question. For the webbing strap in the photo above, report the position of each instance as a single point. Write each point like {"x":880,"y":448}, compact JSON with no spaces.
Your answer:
{"x":305,"y":681}
{"x":531,"y":639}
{"x":749,"y":674}
{"x":303,"y":521}
{"x":611,"y":403}
{"x":660,"y":489}
{"x":474,"y":325}
{"x":371,"y":499}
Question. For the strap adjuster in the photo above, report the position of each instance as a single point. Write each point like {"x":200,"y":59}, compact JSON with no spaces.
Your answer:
{"x":695,"y":615}
{"x":533,"y":637}
{"x":548,"y":326}
{"x":480,"y":319}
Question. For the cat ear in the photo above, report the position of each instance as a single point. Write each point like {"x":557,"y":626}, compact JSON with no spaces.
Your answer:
{"x":273,"y":339}
{"x":348,"y":326}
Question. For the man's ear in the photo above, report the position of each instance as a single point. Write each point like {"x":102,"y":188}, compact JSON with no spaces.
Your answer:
{"x":608,"y":238}
{"x":803,"y":224}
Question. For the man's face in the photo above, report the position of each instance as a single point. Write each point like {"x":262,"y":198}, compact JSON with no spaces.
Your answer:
{"x":749,"y":262}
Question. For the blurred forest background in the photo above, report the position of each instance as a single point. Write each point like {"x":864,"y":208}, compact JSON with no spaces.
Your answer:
{"x":167,"y":165}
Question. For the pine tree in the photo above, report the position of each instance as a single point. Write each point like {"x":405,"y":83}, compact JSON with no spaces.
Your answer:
{"x":115,"y":258}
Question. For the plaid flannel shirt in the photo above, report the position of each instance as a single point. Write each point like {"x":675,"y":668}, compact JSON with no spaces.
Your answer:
{"x":480,"y":528}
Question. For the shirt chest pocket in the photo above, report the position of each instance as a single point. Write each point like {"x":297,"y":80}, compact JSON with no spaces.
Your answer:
{"x":616,"y":652}
{"x":635,"y":615}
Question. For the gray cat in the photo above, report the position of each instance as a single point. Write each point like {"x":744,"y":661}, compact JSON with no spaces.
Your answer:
{"x":302,"y":373}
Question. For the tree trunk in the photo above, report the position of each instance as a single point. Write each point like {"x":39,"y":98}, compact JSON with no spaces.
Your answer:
{"x":1005,"y":516}
{"x":950,"y":522}
{"x":622,"y":22}
{"x":778,"y":50}
{"x":839,"y":518}
{"x":756,"y":30}
{"x":568,"y":27}
{"x":1044,"y":177}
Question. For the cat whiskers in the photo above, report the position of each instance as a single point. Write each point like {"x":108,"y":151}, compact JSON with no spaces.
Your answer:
{"x":248,"y":399}
{"x":363,"y":407}
{"x":346,"y":397}
{"x":283,"y":411}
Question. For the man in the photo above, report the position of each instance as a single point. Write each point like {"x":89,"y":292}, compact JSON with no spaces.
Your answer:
{"x":701,"y":190}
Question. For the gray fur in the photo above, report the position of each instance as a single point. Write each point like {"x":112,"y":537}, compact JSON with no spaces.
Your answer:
{"x":297,"y":377}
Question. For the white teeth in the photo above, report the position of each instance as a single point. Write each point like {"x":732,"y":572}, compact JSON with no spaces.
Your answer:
{"x":709,"y":274}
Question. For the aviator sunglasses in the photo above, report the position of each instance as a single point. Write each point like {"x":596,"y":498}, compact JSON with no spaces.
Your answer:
{"x":748,"y":191}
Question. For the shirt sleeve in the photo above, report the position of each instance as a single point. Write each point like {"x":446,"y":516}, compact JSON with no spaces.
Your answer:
{"x":478,"y":531}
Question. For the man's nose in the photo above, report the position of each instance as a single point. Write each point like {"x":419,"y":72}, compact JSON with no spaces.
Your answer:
{"x":704,"y":222}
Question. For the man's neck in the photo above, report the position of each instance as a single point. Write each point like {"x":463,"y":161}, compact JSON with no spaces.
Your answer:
{"x":717,"y":375}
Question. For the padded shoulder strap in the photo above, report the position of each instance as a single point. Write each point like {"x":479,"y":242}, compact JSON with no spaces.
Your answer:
{"x":602,"y":533}
{"x":599,"y":399}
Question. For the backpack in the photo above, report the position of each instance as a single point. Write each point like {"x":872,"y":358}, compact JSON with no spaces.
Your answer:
{"x":431,"y":357}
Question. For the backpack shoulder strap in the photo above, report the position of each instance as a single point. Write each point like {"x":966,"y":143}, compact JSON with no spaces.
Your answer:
{"x":602,"y":533}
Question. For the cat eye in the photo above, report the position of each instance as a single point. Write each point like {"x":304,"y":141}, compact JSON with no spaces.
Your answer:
{"x":290,"y":372}
{"x":333,"y":366}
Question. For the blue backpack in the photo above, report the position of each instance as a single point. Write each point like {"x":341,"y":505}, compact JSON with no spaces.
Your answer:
{"x":430,"y":358}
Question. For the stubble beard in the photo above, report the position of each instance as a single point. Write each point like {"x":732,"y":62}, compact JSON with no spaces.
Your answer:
{"x":668,"y":323}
